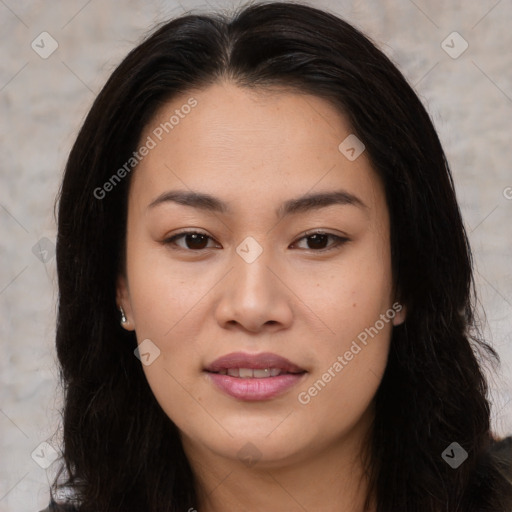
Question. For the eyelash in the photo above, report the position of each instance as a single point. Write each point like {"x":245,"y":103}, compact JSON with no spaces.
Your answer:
{"x":339,"y":240}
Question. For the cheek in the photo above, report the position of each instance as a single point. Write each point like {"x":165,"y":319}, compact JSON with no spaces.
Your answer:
{"x":349,"y":295}
{"x":342,"y":397}
{"x":164,"y":292}
{"x":172,"y":308}
{"x":168,"y":310}
{"x":353,"y":302}
{"x":352,"y":357}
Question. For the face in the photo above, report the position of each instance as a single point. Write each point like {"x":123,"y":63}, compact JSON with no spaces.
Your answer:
{"x":280,"y":261}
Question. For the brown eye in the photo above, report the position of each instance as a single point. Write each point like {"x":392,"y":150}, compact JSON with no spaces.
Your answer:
{"x":319,"y":241}
{"x":193,"y":240}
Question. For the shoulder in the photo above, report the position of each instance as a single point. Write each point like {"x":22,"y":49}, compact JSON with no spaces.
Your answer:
{"x":490,"y":488}
{"x":501,"y":451}
{"x":55,"y":507}
{"x":503,"y":448}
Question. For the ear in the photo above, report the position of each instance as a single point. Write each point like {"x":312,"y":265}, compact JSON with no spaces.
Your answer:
{"x":400,"y":313}
{"x":123,"y":300}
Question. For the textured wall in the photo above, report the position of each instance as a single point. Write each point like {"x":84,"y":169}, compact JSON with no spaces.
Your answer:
{"x":44,"y":100}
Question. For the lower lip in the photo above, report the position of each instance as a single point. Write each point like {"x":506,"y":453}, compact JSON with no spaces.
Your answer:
{"x":255,"y":389}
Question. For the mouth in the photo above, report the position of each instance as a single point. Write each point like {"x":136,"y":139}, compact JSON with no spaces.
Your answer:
{"x":259,"y":366}
{"x":252,"y":377}
{"x":250,"y":373}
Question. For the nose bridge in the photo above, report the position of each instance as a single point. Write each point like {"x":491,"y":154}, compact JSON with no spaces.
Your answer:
{"x":253,"y":295}
{"x":252,"y":275}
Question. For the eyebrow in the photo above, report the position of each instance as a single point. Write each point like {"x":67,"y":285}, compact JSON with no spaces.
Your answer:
{"x":301,"y":204}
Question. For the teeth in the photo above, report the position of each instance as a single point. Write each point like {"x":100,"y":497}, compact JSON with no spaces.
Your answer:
{"x":261,"y":374}
{"x":245,"y":373}
{"x":249,"y":373}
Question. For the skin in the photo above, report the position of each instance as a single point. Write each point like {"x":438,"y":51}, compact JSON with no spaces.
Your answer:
{"x":254,"y":150}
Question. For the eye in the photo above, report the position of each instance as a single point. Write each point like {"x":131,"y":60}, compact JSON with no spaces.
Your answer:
{"x":194,"y":240}
{"x":317,"y":241}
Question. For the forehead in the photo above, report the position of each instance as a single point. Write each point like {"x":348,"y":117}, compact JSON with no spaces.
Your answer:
{"x":231,"y":119}
{"x":269,"y":142}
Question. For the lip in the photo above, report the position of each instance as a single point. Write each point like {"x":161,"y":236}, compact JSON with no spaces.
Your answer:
{"x":254,"y":389}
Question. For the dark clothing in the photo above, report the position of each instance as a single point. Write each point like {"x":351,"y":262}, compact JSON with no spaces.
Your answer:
{"x":53,"y":507}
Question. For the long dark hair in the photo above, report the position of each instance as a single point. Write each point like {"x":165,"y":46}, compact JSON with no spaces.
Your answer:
{"x":120,"y":450}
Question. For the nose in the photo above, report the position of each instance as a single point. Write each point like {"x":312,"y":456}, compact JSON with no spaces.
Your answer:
{"x":254,"y":296}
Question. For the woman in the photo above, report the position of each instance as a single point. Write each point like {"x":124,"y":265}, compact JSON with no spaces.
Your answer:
{"x":265,"y":283}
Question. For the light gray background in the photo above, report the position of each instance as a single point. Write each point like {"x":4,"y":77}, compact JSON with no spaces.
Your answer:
{"x":43,"y":102}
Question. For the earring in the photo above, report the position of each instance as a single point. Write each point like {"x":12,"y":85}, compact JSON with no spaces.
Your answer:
{"x":123,"y":316}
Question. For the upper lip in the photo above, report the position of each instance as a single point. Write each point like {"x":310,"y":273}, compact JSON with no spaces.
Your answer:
{"x":253,"y":361}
